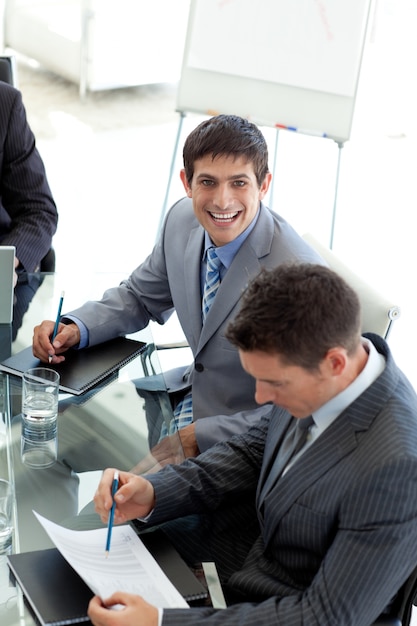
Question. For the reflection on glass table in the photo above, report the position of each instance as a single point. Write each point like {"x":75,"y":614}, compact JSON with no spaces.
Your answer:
{"x":117,"y":424}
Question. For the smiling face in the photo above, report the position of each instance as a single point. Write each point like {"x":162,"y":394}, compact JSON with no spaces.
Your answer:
{"x":225,"y":195}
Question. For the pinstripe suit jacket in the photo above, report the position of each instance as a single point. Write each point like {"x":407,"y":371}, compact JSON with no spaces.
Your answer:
{"x":338,"y":531}
{"x":28,"y":215}
{"x":170,"y":279}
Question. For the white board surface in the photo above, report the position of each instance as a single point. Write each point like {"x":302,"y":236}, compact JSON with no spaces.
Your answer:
{"x":289,"y":62}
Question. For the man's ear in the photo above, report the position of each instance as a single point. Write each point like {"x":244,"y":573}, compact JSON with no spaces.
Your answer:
{"x":336,"y":360}
{"x":185,"y":183}
{"x":265,"y":185}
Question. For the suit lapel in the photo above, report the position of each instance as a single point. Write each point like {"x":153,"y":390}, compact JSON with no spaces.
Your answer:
{"x":338,"y":440}
{"x":244,"y":267}
{"x":230,"y":292}
{"x":279,"y":424}
{"x":330,"y":448}
{"x":191,"y":270}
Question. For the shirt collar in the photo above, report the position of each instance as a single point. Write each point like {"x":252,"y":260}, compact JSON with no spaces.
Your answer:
{"x":374,"y":367}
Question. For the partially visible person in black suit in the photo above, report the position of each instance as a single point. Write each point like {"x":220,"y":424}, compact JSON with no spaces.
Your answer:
{"x":28,"y":214}
{"x":23,"y":296}
{"x":337,"y":526}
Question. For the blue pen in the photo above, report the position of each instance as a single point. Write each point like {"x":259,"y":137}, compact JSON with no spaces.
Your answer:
{"x":114,"y":488}
{"x":58,"y":317}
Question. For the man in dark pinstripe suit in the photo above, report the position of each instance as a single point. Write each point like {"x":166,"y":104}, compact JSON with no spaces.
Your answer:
{"x":338,"y":526}
{"x":28,"y":215}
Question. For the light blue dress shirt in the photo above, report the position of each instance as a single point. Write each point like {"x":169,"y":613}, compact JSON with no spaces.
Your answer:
{"x":327,"y":413}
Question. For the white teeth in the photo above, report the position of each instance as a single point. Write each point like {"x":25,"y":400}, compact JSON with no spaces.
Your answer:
{"x":224,"y":216}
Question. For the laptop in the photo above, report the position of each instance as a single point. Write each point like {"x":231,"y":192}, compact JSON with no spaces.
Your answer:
{"x":7,"y":254}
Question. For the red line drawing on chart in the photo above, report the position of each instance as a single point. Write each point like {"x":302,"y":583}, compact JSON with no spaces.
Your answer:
{"x":324,"y":19}
{"x":222,"y":3}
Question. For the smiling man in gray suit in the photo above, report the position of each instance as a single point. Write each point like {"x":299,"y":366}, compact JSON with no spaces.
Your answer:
{"x":338,"y":519}
{"x":226,"y":178}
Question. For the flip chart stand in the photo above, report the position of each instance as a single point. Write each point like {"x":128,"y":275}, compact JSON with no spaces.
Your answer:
{"x":171,"y":173}
{"x":305,"y":83}
{"x":336,"y":190}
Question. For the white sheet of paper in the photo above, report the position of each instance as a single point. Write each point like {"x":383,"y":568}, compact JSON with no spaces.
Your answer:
{"x":129,"y":566}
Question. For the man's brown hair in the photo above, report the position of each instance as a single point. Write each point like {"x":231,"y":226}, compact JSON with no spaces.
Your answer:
{"x":227,"y":135}
{"x":298,"y":311}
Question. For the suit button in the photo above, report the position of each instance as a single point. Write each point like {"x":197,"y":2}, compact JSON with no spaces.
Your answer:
{"x":199,"y":367}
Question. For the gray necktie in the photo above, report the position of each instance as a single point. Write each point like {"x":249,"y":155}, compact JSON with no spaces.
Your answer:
{"x":293,"y":442}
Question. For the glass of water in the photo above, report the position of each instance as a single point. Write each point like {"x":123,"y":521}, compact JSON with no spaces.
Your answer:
{"x":6,"y":516}
{"x":39,"y":417}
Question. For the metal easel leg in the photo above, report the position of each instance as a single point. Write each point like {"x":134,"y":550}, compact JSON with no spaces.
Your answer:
{"x":171,"y":173}
{"x":332,"y":227}
{"x":274,"y":165}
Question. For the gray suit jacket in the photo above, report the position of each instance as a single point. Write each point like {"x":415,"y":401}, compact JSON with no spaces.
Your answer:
{"x":339,"y":529}
{"x":170,"y":279}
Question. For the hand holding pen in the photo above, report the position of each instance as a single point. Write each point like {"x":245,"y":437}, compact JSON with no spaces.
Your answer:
{"x":58,"y":317}
{"x":135,"y":497}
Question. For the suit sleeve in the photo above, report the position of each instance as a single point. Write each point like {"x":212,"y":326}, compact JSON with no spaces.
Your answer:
{"x":129,"y":307}
{"x":202,"y":484}
{"x":25,"y":193}
{"x":222,"y":427}
{"x":371,"y":555}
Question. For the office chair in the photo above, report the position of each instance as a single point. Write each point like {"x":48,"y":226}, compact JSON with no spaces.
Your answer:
{"x":378,"y":312}
{"x":8,"y":70}
{"x":48,"y":262}
{"x":8,"y":75}
{"x":402,"y":607}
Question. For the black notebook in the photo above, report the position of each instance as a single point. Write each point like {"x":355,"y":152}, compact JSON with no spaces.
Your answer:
{"x":58,"y":596}
{"x":52,"y":588}
{"x":82,"y":369}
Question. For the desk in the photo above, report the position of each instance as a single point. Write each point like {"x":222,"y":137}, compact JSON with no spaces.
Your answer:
{"x":112,"y":425}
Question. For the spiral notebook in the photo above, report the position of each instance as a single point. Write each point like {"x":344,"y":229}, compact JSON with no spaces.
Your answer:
{"x":82,"y":369}
{"x":57,"y":596}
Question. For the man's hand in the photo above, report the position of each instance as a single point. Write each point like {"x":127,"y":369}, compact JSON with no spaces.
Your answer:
{"x":134,"y":498}
{"x":135,"y":611}
{"x":188,"y":441}
{"x":68,"y":336}
{"x":167,"y":451}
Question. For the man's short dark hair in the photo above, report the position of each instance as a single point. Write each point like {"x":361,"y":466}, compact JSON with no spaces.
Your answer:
{"x":227,"y":135}
{"x":298,"y":311}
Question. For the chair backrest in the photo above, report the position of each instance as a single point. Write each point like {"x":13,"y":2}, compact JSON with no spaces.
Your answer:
{"x":8,"y":70}
{"x":406,"y":599}
{"x":402,"y":607}
{"x":378,"y":311}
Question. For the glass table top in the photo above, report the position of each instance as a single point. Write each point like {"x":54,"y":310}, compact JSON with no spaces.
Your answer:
{"x":113,"y":425}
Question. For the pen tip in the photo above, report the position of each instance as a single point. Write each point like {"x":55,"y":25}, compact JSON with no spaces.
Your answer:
{"x":106,"y":554}
{"x":49,"y":359}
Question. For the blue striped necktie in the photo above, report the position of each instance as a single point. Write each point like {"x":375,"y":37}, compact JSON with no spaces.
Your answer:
{"x":183,"y":413}
{"x":212,"y":283}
